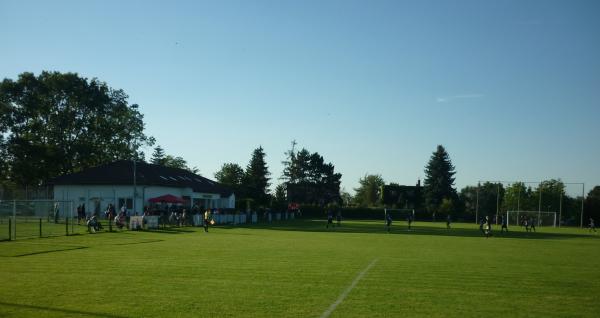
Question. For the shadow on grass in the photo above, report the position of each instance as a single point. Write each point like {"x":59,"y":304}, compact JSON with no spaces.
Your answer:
{"x":401,"y":228}
{"x":61,"y":310}
{"x":171,"y":230}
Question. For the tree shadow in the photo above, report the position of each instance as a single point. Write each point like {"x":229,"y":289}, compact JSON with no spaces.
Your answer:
{"x":171,"y":230}
{"x":401,"y":228}
{"x":62,"y":310}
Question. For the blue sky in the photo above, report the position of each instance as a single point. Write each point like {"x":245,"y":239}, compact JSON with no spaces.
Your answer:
{"x":510,"y":88}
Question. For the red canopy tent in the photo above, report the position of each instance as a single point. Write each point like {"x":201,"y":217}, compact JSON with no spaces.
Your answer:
{"x":167,"y":198}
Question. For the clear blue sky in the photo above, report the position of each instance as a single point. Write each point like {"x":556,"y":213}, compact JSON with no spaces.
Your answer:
{"x":510,"y":88}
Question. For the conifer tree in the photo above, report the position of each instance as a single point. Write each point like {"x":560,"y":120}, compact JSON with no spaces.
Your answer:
{"x":256,"y":179}
{"x":439,"y":180}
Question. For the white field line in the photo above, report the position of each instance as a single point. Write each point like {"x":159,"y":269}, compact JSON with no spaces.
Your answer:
{"x":347,"y":290}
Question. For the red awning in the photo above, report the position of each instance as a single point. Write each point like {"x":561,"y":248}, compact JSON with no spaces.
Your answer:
{"x":167,"y":198}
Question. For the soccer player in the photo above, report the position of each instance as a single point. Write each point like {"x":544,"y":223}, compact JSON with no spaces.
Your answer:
{"x":409,"y":219}
{"x":388,"y":221}
{"x":592,"y":226}
{"x":504,"y":224}
{"x":207,"y":217}
{"x":532,"y":224}
{"x":488,"y":227}
{"x":329,"y":219}
{"x":481,"y":225}
{"x":448,"y":221}
{"x":339,"y":217}
{"x":526,"y":224}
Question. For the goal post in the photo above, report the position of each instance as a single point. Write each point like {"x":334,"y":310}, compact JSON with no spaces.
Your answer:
{"x":27,"y":217}
{"x":399,"y":214}
{"x":540,"y":218}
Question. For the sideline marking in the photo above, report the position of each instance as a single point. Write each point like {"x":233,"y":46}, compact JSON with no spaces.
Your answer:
{"x":347,"y":291}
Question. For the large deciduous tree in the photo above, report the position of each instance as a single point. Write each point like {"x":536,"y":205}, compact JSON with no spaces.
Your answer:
{"x":232,"y":175}
{"x":368,"y":192}
{"x":57,"y":123}
{"x":439,"y":179}
{"x":592,"y":205}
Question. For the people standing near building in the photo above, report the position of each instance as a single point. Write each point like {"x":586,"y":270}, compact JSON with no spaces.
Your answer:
{"x":207,"y":218}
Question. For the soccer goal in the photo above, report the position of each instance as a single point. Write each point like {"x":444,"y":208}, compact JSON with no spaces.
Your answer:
{"x":540,"y":218}
{"x":36,"y":218}
{"x":399,"y":214}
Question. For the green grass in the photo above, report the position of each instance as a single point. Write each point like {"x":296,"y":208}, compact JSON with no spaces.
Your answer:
{"x":299,"y":269}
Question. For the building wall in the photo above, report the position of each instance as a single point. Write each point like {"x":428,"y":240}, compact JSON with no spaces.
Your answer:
{"x":97,"y":197}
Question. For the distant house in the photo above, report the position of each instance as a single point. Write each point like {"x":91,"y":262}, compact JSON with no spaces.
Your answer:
{"x":114,"y":183}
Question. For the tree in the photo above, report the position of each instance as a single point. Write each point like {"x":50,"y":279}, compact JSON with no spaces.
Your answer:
{"x":256,"y":178}
{"x":491,"y":198}
{"x":230,"y":174}
{"x":468,"y":199}
{"x":447,"y":207}
{"x":346,"y":197}
{"x":158,"y":156}
{"x":280,"y":197}
{"x":439,"y":179}
{"x":59,"y":123}
{"x":552,"y":193}
{"x":369,"y":191}
{"x":308,"y":179}
{"x":592,"y":205}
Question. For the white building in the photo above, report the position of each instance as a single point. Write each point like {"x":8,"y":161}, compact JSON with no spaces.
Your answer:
{"x":114,"y":184}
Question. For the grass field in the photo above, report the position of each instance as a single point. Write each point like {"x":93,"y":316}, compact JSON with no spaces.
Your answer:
{"x":300,"y":269}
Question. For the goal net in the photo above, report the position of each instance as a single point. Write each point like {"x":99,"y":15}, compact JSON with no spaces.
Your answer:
{"x":539,"y":218}
{"x":399,"y":214}
{"x":35,"y":218}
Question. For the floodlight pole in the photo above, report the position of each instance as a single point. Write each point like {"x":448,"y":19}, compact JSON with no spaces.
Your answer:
{"x":540,"y":205}
{"x":519,"y":202}
{"x":497,"y":201}
{"x":559,"y":210}
{"x":582,"y":196}
{"x":134,"y":185}
{"x":477,"y":205}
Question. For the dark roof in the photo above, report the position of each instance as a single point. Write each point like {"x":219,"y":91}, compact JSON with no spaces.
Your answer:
{"x":121,"y":173}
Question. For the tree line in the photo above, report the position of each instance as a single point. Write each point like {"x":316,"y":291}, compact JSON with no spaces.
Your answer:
{"x":59,"y":123}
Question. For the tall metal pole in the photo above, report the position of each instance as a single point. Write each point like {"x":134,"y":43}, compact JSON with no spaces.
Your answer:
{"x":559,"y":209}
{"x":582,"y":196}
{"x":540,"y":196}
{"x":497,"y":202}
{"x":134,"y":185}
{"x":477,"y":206}
{"x":519,"y":201}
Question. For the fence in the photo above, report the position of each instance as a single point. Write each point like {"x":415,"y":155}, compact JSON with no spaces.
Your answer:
{"x":20,"y":219}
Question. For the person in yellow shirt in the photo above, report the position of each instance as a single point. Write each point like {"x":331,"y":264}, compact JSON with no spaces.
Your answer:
{"x":207,"y":217}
